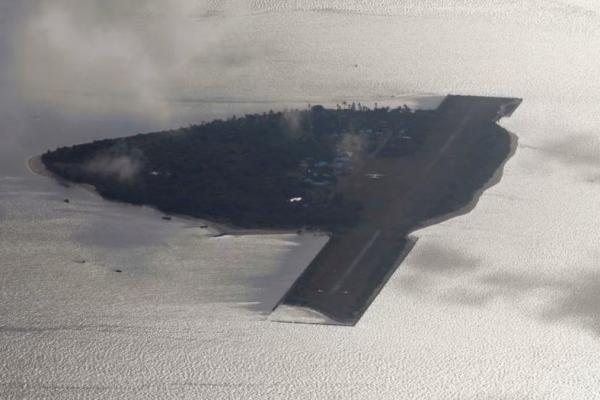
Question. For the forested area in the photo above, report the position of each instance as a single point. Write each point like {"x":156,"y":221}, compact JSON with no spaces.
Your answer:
{"x":242,"y":171}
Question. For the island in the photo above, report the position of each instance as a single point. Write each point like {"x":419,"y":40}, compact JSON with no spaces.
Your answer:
{"x":366,"y":176}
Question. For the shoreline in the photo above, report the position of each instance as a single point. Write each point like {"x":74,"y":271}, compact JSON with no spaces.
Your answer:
{"x":470,"y":206}
{"x":292,"y":314}
{"x":232,"y":230}
{"x":36,"y":166}
{"x":334,"y":283}
{"x":382,"y":254}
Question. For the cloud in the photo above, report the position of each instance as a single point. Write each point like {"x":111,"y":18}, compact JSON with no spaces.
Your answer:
{"x":118,"y":162}
{"x":122,"y":168}
{"x":134,"y":66}
{"x":107,"y":55}
{"x":292,"y":122}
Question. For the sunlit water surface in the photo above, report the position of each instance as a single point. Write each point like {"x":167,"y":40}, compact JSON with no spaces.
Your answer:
{"x":503,"y":302}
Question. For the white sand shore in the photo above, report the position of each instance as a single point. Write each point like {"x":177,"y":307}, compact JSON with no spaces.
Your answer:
{"x":37,"y":167}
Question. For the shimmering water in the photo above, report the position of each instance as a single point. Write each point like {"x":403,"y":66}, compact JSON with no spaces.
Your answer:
{"x":501,"y":303}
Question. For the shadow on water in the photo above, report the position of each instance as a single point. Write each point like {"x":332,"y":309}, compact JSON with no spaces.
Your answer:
{"x":573,"y":299}
{"x":433,"y":258}
{"x":578,"y":151}
{"x":429,"y":261}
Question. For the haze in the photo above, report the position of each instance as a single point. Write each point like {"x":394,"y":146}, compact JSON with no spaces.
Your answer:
{"x":499,"y":303}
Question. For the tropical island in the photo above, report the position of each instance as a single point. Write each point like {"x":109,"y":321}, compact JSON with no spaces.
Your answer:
{"x":369,"y":176}
{"x":270,"y":170}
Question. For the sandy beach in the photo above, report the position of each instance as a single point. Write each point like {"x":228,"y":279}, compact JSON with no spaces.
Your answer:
{"x":37,"y":167}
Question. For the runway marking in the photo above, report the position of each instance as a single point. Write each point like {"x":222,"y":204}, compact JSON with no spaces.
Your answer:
{"x":357,"y":259}
{"x":446,"y":145}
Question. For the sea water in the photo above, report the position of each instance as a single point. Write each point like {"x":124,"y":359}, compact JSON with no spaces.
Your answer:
{"x":500,"y":303}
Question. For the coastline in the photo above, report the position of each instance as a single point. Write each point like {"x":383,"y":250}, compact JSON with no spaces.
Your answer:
{"x":334,"y":283}
{"x":232,"y":230}
{"x":346,"y":299}
{"x":416,"y":101}
{"x":36,"y":166}
{"x":291,"y":314}
{"x":467,"y":208}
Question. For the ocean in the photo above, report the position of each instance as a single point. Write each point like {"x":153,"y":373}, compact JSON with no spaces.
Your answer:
{"x":500,"y":303}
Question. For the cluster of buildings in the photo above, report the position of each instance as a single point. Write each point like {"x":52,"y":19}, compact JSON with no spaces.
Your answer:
{"x":325,"y":173}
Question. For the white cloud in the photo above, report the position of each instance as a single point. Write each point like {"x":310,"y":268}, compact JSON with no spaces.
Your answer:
{"x":107,"y":55}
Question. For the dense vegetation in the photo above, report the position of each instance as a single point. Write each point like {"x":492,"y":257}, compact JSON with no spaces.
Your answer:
{"x":242,"y":171}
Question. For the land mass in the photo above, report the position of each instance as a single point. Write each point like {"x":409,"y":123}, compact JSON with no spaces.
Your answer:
{"x":369,"y":176}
